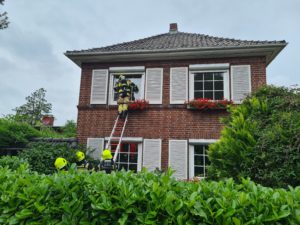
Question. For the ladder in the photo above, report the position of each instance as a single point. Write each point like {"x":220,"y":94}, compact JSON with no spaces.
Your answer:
{"x":117,"y":134}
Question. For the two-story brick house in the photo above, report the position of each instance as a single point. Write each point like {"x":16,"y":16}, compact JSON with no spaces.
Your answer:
{"x":169,"y":69}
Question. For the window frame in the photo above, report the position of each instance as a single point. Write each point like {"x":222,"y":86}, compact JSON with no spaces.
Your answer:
{"x":226,"y":83}
{"x":191,"y":148}
{"x":111,"y":83}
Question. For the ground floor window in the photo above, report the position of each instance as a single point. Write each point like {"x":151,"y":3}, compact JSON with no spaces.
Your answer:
{"x":198,"y":160}
{"x":128,"y":157}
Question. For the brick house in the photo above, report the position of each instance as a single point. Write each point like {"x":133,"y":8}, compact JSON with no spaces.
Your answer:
{"x":169,"y":69}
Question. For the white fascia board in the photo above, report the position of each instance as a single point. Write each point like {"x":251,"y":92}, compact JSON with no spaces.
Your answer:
{"x":214,"y":66}
{"x":202,"y":141}
{"x":127,"y":69}
{"x":128,"y":139}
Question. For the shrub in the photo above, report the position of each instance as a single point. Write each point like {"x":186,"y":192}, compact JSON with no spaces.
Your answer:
{"x":41,"y":155}
{"x":11,"y":162}
{"x":14,"y":134}
{"x":144,"y":198}
{"x":261,"y":139}
{"x":69,"y":129}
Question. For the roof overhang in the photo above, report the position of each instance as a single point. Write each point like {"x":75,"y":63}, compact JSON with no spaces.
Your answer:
{"x":269,"y":51}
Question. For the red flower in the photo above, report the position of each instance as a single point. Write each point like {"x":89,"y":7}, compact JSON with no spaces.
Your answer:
{"x":139,"y":104}
{"x":205,"y":103}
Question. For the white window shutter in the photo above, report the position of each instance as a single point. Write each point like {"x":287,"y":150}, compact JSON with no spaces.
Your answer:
{"x":99,"y":87}
{"x":178,"y":158}
{"x":240,"y":82}
{"x":95,"y":147}
{"x":152,"y":154}
{"x":154,"y":82}
{"x":178,"y":85}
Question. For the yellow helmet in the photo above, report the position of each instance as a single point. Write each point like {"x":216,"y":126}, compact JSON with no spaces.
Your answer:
{"x":106,"y":154}
{"x":80,"y":156}
{"x":60,"y":163}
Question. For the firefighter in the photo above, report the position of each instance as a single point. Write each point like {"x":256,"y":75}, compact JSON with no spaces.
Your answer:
{"x":124,"y":89}
{"x":81,"y":162}
{"x":107,"y":164}
{"x":61,"y":164}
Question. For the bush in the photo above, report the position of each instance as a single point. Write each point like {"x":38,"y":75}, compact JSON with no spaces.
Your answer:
{"x":144,"y":198}
{"x":11,"y":162}
{"x":69,"y":129}
{"x":261,"y":139}
{"x":15,"y":134}
{"x":41,"y":155}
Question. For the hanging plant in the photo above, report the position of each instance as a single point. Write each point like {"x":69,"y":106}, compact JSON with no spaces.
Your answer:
{"x":139,"y":104}
{"x":207,"y":104}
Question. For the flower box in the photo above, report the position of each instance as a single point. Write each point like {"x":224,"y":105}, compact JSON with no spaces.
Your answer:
{"x":207,"y":104}
{"x":138,"y":105}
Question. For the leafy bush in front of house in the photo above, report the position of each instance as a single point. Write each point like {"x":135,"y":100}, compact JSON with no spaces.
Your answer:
{"x":15,"y":134}
{"x":261,"y":139}
{"x":144,"y":198}
{"x":69,"y":129}
{"x":41,"y":155}
{"x":11,"y":162}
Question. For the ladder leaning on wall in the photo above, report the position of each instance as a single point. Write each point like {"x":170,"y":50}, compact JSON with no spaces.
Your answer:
{"x":117,"y":135}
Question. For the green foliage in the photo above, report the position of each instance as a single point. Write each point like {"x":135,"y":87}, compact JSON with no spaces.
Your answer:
{"x":48,"y":132}
{"x":261,"y":139}
{"x":41,"y":155}
{"x":34,"y":109}
{"x":69,"y":129}
{"x":145,"y":198}
{"x":3,"y":18}
{"x":14,"y":134}
{"x":11,"y":162}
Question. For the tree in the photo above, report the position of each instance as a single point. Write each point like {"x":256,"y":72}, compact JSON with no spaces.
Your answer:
{"x":261,"y":139}
{"x":34,"y":109}
{"x":3,"y":18}
{"x":69,"y":129}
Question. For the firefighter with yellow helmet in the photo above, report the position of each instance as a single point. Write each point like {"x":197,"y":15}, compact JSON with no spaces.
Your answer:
{"x":125,"y":89}
{"x":107,"y":164}
{"x":61,"y":163}
{"x":81,"y":162}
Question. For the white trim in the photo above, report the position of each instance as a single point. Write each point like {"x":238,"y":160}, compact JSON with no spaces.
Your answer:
{"x":128,"y":139}
{"x":140,"y":157}
{"x":191,"y":161}
{"x":141,"y":89}
{"x":127,"y":69}
{"x":225,"y":72}
{"x":202,"y":141}
{"x":219,"y":66}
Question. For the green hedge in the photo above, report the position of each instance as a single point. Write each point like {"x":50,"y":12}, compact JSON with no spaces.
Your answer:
{"x":144,"y":198}
{"x":11,"y":162}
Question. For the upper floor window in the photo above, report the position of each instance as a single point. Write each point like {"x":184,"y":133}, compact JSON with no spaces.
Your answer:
{"x":210,"y":82}
{"x":136,"y":77}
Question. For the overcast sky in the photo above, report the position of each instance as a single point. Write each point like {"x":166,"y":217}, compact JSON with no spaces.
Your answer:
{"x":31,"y":49}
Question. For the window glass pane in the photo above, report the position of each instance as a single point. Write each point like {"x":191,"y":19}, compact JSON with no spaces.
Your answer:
{"x":198,"y":149}
{"x":199,"y":171}
{"x":198,"y":86}
{"x":123,"y":157}
{"x":219,"y":85}
{"x":133,"y":167}
{"x":198,"y":94}
{"x":198,"y":76}
{"x":133,"y":158}
{"x":219,"y":95}
{"x":208,"y":94}
{"x":199,"y":160}
{"x":208,"y":85}
{"x":208,"y":76}
{"x":123,"y":166}
{"x":218,"y":76}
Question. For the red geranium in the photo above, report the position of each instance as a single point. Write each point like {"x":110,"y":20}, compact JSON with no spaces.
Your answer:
{"x":206,"y":103}
{"x":138,"y":105}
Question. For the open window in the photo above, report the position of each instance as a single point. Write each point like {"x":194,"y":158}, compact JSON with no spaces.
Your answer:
{"x":136,"y":77}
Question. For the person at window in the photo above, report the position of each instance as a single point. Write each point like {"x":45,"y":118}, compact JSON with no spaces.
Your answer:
{"x":132,"y":88}
{"x":124,"y":89}
{"x":107,"y":164}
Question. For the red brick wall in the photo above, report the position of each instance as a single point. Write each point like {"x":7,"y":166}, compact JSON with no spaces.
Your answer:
{"x":160,"y":121}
